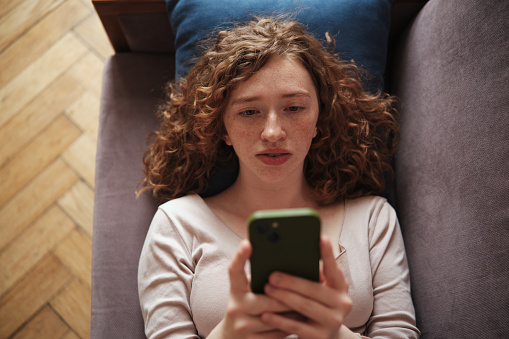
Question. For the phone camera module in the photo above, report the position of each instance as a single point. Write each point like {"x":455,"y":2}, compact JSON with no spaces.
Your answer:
{"x":261,"y":227}
{"x":273,"y":237}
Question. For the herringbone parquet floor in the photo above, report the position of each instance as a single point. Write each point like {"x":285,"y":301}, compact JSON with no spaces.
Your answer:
{"x":51,"y":58}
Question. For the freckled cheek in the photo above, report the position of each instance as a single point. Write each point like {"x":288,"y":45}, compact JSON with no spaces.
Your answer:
{"x":240,"y":134}
{"x":305,"y":130}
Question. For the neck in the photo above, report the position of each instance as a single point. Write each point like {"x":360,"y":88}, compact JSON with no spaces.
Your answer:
{"x":249,"y":196}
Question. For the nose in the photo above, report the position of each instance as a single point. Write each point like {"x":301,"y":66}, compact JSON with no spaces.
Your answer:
{"x":273,"y":130}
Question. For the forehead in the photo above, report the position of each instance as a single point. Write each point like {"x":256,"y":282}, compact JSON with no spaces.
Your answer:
{"x":279,"y":74}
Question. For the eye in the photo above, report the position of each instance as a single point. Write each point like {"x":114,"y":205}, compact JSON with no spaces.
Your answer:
{"x":294,"y":108}
{"x":248,"y":112}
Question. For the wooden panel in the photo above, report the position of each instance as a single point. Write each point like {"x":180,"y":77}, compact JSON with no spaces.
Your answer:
{"x":89,"y":4}
{"x":73,"y":305}
{"x":37,"y":116}
{"x":36,"y":156}
{"x":80,"y":156}
{"x":36,"y":88}
{"x":88,"y":71}
{"x":84,"y":112}
{"x":31,"y":294}
{"x":23,"y":16}
{"x":7,"y":6}
{"x":46,"y":325}
{"x":75,"y":252}
{"x":92,"y":31}
{"x":33,"y":244}
{"x":29,"y":83}
{"x":39,"y":38}
{"x":70,"y":335}
{"x":110,"y":10}
{"x":78,"y":203}
{"x":34,"y":199}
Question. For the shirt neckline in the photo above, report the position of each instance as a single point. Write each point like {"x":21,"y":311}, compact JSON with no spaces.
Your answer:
{"x":217,"y":220}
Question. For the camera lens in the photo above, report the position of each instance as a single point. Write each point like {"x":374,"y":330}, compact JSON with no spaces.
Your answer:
{"x":273,"y":237}
{"x":261,"y":227}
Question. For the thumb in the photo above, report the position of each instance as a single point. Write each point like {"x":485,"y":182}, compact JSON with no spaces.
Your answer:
{"x":239,"y":282}
{"x":331,"y":272}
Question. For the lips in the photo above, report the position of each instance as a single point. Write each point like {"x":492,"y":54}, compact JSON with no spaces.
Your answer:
{"x":274,"y":157}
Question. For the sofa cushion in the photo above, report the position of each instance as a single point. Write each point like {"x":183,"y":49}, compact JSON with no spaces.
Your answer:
{"x":452,"y":169}
{"x":361,"y":27}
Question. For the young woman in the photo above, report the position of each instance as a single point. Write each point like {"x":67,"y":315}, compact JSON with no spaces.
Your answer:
{"x":305,"y":134}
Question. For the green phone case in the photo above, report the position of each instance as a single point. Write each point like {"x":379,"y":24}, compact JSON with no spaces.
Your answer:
{"x":286,"y":241}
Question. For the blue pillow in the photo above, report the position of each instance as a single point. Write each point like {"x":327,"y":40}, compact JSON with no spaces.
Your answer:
{"x":360,"y":27}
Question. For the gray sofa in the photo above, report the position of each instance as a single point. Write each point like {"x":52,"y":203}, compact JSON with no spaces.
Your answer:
{"x":449,"y":65}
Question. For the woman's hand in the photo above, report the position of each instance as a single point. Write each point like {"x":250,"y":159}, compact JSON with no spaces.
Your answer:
{"x":244,"y":309}
{"x":324,"y":305}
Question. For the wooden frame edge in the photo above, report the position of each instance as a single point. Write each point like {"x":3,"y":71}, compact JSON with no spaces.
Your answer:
{"x":109,"y":11}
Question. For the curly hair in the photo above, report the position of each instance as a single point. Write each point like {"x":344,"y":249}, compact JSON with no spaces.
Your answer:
{"x":357,"y":131}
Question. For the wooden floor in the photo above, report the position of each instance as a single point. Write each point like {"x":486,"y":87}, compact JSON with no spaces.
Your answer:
{"x":51,"y":58}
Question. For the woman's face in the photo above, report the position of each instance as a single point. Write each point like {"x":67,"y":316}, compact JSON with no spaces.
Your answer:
{"x":270,"y":121}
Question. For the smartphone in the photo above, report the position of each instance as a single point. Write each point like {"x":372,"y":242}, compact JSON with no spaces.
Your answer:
{"x":287,"y":241}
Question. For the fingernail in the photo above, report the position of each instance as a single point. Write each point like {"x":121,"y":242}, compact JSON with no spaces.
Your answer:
{"x":275,"y":278}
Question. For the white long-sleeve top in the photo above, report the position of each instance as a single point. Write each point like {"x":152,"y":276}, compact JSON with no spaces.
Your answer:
{"x":183,"y":277}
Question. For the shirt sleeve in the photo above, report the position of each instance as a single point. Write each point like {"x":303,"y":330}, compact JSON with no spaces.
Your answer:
{"x":393,"y":312}
{"x":165,"y":275}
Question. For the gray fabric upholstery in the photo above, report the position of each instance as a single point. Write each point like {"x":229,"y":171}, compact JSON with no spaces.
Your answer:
{"x":452,"y":173}
{"x":131,"y":90}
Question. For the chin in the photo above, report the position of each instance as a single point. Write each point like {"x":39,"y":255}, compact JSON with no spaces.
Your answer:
{"x":277,"y":176}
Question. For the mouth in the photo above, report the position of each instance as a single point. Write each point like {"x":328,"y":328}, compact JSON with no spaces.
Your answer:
{"x":274,"y":157}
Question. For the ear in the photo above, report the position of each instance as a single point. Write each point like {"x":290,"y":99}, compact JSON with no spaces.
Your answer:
{"x":316,"y":132}
{"x":227,"y":140}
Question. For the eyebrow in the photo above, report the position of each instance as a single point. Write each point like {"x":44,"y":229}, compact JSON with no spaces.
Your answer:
{"x":248,"y":99}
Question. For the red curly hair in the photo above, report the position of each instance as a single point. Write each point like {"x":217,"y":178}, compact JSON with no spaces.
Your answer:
{"x":357,"y":132}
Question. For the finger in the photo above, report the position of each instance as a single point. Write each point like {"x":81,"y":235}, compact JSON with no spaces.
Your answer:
{"x":259,"y":303}
{"x":291,"y":326}
{"x":273,"y":334}
{"x":328,"y":314}
{"x":301,"y":304}
{"x":309,"y":290}
{"x":238,"y":279}
{"x":247,"y":324}
{"x":332,"y":273}
{"x":252,"y":326}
